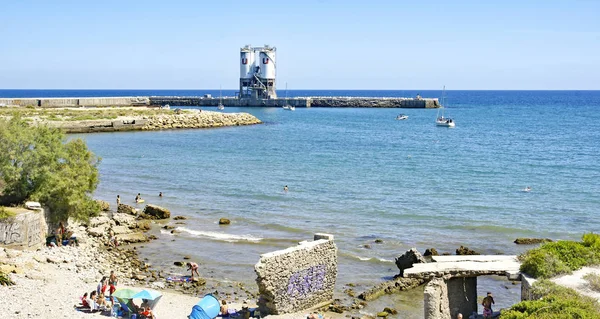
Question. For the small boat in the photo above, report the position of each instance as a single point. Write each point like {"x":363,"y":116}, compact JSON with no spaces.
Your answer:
{"x":287,"y":106}
{"x":441,"y":120}
{"x":220,"y":106}
{"x":401,"y":117}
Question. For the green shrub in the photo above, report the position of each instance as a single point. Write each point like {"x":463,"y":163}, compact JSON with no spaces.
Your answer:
{"x":5,"y":213}
{"x":5,"y":280}
{"x":594,"y":281}
{"x":556,"y":303}
{"x":591,"y":240}
{"x":561,"y":257}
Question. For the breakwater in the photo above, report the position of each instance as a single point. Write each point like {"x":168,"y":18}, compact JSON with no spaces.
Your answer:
{"x":186,"y":120}
{"x":334,"y":101}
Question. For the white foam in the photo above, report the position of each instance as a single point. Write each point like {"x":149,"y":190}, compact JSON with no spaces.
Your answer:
{"x":166,"y":232}
{"x":219,"y":236}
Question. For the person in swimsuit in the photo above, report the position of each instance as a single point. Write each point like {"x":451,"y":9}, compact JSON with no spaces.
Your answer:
{"x":112,"y":282}
{"x":285,"y":188}
{"x":194,"y":268}
{"x":487,"y":306}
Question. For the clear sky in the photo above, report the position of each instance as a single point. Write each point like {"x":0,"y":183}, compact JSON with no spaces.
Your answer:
{"x":321,"y":44}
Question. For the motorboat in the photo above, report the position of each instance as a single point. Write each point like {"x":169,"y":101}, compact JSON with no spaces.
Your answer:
{"x":401,"y":117}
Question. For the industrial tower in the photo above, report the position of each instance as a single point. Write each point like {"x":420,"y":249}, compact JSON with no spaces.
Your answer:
{"x":257,"y":72}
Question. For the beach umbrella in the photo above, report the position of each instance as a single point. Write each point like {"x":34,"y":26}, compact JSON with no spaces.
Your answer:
{"x":147,"y":294}
{"x":125,"y":293}
{"x":152,"y":297}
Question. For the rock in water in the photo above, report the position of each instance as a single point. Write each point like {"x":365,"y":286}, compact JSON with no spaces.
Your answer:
{"x":431,"y":252}
{"x":126,"y":209}
{"x":156,"y":212}
{"x":462,"y":250}
{"x":224,"y":221}
{"x":412,"y":256}
{"x":104,"y":206}
{"x":531,"y":241}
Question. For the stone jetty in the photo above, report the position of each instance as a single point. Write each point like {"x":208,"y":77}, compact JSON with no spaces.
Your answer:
{"x":316,"y":101}
{"x":182,"y":120}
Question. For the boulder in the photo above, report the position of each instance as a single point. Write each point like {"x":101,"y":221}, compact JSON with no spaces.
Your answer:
{"x":462,"y":250}
{"x":431,"y":252}
{"x":382,"y":314}
{"x":97,"y":231}
{"x":124,"y":220}
{"x":120,"y":230}
{"x":178,"y":263}
{"x":143,"y":225}
{"x":390,"y":310}
{"x":410,"y":257}
{"x":104,"y":206}
{"x":100,"y":220}
{"x":156,"y":212}
{"x":531,"y":241}
{"x":179,"y":218}
{"x":379,"y":241}
{"x":126,"y":209}
{"x":224,"y":221}
{"x":7,"y":268}
{"x":132,"y":238}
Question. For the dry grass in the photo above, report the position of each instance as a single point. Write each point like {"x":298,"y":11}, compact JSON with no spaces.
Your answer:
{"x":594,"y":281}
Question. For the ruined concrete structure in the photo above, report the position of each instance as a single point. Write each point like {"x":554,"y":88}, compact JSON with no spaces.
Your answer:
{"x":452,"y":286}
{"x":26,"y":230}
{"x":297,"y":278}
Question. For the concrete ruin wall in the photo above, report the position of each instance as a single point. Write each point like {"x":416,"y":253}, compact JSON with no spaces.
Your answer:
{"x":297,"y":278}
{"x":446,"y":297}
{"x":436,"y":302}
{"x":26,"y":230}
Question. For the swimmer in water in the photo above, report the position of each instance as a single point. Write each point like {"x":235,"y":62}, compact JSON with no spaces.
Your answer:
{"x":527,"y":189}
{"x":285,"y":188}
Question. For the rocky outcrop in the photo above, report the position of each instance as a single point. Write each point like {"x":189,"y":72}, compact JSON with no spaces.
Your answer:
{"x":464,"y":251}
{"x":126,"y":209}
{"x":204,"y":119}
{"x":532,"y":241}
{"x":104,"y":206}
{"x":373,"y":102}
{"x":431,"y":252}
{"x":155,"y":212}
{"x":224,"y":221}
{"x":409,"y":258}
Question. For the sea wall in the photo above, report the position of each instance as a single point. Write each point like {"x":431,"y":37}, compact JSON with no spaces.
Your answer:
{"x":26,"y":230}
{"x":368,"y":102}
{"x":297,"y":278}
{"x":374,"y":102}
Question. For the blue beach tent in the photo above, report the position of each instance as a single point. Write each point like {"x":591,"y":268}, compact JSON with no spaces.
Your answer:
{"x":207,"y":308}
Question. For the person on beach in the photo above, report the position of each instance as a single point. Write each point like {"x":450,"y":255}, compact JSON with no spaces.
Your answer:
{"x":112,"y":282}
{"x":487,"y":306}
{"x":60,"y":232}
{"x":138,"y":198}
{"x":224,"y":312}
{"x":84,"y":300}
{"x":459,"y":316}
{"x":93,"y":301}
{"x":194,"y":268}
{"x":160,"y":194}
{"x":285,"y":188}
{"x":102,"y":301}
{"x":101,"y":285}
{"x":118,"y":201}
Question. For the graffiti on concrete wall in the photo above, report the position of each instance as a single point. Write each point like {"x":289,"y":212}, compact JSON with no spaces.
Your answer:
{"x":10,"y":232}
{"x":34,"y":232}
{"x":306,"y":281}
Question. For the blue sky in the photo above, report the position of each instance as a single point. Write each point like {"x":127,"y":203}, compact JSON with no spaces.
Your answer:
{"x":321,"y":44}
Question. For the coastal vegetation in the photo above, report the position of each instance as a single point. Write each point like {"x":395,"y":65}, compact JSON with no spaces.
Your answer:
{"x":555,"y":302}
{"x":593,"y":280}
{"x":561,"y":257}
{"x":80,"y":114}
{"x":37,"y":163}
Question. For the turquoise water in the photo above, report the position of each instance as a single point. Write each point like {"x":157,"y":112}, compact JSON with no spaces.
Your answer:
{"x":361,"y":175}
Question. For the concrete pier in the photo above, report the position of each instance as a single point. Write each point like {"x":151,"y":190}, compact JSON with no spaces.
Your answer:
{"x":335,"y":101}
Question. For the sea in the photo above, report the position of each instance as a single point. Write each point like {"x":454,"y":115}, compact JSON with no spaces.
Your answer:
{"x":361,"y":175}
